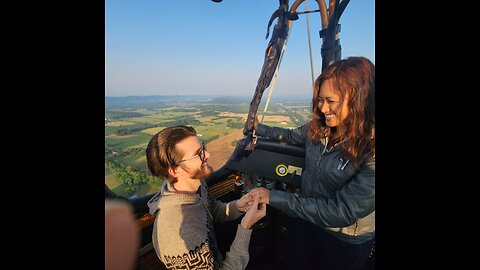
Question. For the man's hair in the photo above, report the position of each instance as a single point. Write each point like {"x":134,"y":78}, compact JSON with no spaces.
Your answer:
{"x":162,"y":153}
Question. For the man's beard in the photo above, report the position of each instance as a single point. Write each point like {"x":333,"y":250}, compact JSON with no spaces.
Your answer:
{"x":201,"y":173}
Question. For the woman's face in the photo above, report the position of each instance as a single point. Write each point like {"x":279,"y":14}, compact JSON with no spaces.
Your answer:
{"x":329,"y":104}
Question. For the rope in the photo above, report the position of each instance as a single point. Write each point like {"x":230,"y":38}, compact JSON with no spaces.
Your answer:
{"x":309,"y":42}
{"x":272,"y":85}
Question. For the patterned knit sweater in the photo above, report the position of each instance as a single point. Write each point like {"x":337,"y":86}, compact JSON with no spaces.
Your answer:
{"x":183,"y":233}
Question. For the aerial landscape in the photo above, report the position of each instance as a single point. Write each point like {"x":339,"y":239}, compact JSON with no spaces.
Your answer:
{"x":131,"y":121}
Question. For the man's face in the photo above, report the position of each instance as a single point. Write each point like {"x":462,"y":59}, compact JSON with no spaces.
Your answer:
{"x":194,"y":161}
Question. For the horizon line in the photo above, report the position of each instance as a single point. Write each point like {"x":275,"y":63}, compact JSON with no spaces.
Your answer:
{"x":209,"y":95}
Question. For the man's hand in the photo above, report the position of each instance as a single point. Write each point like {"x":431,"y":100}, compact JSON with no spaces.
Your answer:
{"x":244,"y":203}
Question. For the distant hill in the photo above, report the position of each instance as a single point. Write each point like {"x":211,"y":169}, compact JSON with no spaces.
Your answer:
{"x":147,"y":101}
{"x":163,"y":101}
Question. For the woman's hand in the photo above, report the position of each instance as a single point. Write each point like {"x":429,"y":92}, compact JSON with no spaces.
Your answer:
{"x":254,"y":214}
{"x":264,"y":194}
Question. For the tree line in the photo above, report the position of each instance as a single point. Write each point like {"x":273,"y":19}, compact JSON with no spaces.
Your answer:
{"x":132,"y":177}
{"x":185,"y":120}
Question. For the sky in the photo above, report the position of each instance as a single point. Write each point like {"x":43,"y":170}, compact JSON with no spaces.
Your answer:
{"x":199,"y":47}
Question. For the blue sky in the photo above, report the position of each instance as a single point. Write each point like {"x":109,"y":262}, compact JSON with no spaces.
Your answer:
{"x":200,"y":47}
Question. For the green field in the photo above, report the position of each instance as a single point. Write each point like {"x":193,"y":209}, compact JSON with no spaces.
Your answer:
{"x":152,"y":131}
{"x":113,"y":129}
{"x":112,"y":181}
{"x":118,"y":144}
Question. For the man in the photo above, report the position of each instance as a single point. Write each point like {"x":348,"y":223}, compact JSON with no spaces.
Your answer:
{"x":183,"y":233}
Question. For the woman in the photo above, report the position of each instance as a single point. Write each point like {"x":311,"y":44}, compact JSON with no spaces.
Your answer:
{"x":333,"y":225}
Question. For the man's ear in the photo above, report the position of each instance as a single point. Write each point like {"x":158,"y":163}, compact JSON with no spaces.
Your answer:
{"x":173,"y":172}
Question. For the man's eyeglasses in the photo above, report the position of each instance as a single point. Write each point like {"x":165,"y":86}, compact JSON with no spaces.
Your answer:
{"x":201,"y":155}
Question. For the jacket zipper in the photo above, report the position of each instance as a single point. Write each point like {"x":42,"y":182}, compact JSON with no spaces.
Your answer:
{"x":323,"y":152}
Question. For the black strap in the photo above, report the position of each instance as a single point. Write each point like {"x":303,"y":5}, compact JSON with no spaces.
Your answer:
{"x":331,"y":50}
{"x":322,"y":32}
